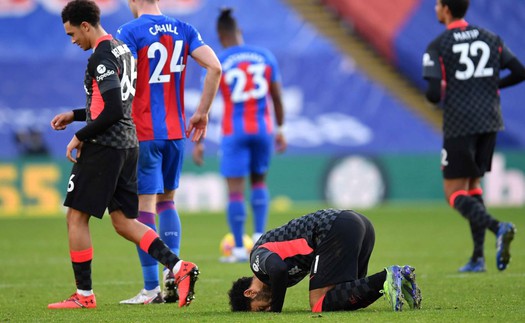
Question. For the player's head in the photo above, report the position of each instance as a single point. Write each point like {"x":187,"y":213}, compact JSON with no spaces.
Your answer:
{"x":245,"y":297}
{"x":229,"y":32}
{"x":456,"y":8}
{"x":79,"y":17}
{"x":138,"y":6}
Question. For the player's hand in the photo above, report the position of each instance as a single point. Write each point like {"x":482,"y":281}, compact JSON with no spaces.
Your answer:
{"x":73,"y":144}
{"x":60,"y":121}
{"x":198,"y":153}
{"x":198,"y":124}
{"x":280,"y":142}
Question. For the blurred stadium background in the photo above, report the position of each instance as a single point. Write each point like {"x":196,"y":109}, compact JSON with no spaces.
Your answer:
{"x":360,"y":132}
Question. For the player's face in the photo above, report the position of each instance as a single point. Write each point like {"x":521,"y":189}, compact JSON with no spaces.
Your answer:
{"x":77,"y":35}
{"x":261,"y":302}
{"x":439,"y":11}
{"x":133,"y":7}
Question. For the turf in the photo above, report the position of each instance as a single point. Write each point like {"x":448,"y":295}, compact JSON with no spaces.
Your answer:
{"x":35,"y":270}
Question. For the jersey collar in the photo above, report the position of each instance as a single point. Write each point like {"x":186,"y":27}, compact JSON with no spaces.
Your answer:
{"x":101,"y":39}
{"x":457,"y":24}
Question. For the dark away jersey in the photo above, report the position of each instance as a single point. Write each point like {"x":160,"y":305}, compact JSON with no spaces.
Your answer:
{"x":468,"y":59}
{"x":294,"y":243}
{"x":111,"y":66}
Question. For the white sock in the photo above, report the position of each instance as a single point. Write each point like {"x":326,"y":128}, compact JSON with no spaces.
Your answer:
{"x":177,"y":266}
{"x":85,"y":292}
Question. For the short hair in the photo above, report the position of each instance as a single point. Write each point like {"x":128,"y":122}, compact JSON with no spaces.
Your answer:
{"x":239,"y":302}
{"x":78,"y":11}
{"x":225,"y":22}
{"x":458,"y":8}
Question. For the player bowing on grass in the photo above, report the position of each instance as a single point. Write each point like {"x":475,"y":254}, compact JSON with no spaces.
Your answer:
{"x":333,"y":247}
{"x":104,"y":173}
{"x":468,"y":59}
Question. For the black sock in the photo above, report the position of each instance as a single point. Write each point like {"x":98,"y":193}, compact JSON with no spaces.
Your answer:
{"x":82,"y":272}
{"x":162,"y":253}
{"x":350,"y":296}
{"x":475,"y":212}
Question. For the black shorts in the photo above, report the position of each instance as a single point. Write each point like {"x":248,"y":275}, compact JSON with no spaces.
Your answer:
{"x":468,"y":156}
{"x":104,"y":177}
{"x":344,"y":253}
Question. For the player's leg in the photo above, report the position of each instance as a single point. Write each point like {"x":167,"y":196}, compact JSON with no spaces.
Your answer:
{"x":346,"y":238}
{"x":261,"y":148}
{"x":260,"y":202}
{"x":81,"y":253}
{"x":170,"y":228}
{"x":348,"y":296}
{"x":234,"y":167}
{"x":149,"y":178}
{"x":236,"y":215}
{"x":461,"y":166}
{"x":123,"y":210}
{"x":87,"y":194}
{"x":477,"y":260}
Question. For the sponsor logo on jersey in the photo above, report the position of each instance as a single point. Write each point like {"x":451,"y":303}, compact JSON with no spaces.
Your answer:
{"x":255,"y":265}
{"x":101,"y":69}
{"x":106,"y":74}
{"x":427,"y":61}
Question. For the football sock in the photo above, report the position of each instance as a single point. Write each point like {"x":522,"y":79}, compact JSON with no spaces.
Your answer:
{"x":236,"y":217}
{"x":85,"y":292}
{"x":169,"y":225}
{"x":151,"y":243}
{"x":81,"y":261}
{"x":150,"y":267}
{"x":260,"y":200}
{"x":477,"y":232}
{"x":473,"y":210}
{"x":353,"y":295}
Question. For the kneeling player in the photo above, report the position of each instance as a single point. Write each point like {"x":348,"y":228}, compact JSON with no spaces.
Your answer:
{"x":334,"y":247}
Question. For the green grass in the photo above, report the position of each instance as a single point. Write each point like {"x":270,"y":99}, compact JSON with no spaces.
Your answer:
{"x":35,"y":270}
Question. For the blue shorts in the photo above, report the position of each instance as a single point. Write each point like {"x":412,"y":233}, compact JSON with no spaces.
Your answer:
{"x":160,"y":164}
{"x":246,"y":154}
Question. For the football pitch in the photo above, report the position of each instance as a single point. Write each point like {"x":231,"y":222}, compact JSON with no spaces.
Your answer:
{"x":35,"y":270}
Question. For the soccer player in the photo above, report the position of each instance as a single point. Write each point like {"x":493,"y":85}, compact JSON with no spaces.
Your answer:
{"x":462,"y":66}
{"x":161,"y":46}
{"x":334,"y":247}
{"x":250,"y":77}
{"x":104,"y":173}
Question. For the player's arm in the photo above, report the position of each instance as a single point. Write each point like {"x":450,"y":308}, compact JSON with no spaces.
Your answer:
{"x":207,"y":59}
{"x":113,"y":111}
{"x":517,"y":74}
{"x":275,"y":92}
{"x":432,"y":72}
{"x":277,"y":270}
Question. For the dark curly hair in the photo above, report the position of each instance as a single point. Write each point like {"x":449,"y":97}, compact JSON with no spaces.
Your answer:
{"x":239,"y":302}
{"x":78,"y":11}
{"x":225,"y":22}
{"x":458,"y":8}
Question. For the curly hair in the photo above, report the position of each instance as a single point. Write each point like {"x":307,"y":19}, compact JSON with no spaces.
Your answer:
{"x":78,"y":11}
{"x":239,"y":302}
{"x":458,"y":8}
